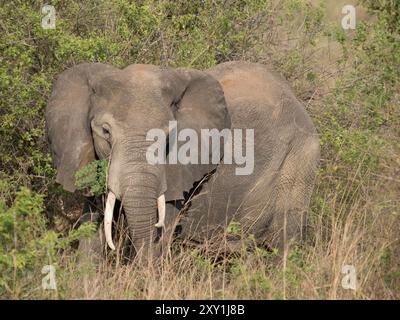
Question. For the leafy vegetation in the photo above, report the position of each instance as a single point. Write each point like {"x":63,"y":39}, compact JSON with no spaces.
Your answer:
{"x":348,"y":81}
{"x":27,"y":244}
{"x":93,"y":177}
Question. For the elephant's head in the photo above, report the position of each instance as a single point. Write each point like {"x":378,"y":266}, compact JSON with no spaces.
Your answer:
{"x":98,"y":111}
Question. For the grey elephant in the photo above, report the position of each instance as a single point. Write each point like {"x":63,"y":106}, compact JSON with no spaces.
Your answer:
{"x":97,"y":111}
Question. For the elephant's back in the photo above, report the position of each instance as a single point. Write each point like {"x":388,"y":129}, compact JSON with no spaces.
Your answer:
{"x":250,"y":81}
{"x":256,"y":92}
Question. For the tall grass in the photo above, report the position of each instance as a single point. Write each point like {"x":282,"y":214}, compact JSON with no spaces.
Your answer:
{"x":358,"y":233}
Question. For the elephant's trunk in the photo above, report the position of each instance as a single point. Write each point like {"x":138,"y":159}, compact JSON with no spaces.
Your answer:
{"x":108,"y":216}
{"x":140,"y":205}
{"x":140,"y":186}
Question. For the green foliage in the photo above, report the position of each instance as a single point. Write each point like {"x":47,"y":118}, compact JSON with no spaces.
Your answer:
{"x":387,"y":10}
{"x":26,"y":243}
{"x":255,"y":281}
{"x":353,"y":129}
{"x":93,"y":177}
{"x":22,"y":234}
{"x":234,"y":227}
{"x":392,"y":274}
{"x":201,"y":262}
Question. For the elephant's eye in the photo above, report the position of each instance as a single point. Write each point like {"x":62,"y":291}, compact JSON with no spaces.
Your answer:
{"x":106,"y":131}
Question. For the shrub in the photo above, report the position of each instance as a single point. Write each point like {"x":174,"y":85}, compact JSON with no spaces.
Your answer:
{"x":26,"y":243}
{"x":93,"y":177}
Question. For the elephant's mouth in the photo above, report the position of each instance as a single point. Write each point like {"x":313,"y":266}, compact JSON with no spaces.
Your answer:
{"x":108,"y":216}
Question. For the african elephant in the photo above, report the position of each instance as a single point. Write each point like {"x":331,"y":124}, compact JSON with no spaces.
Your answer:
{"x":97,"y":111}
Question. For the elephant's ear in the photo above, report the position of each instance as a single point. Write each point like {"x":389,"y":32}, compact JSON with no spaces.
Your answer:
{"x":67,"y":124}
{"x":197,"y":101}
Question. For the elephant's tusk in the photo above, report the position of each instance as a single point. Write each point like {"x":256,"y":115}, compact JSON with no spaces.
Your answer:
{"x":108,"y":217}
{"x":161,"y":211}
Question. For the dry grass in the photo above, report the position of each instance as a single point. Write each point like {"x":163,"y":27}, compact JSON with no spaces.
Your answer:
{"x":360,"y":232}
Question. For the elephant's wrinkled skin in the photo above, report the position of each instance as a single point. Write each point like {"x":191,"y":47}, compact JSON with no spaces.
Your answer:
{"x":98,"y":111}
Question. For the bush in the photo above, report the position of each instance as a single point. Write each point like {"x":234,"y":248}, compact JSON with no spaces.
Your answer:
{"x":93,"y":177}
{"x":26,"y":244}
